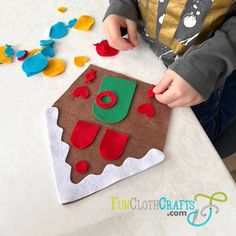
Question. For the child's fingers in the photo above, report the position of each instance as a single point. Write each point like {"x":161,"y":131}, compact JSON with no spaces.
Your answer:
{"x":167,"y":97}
{"x":163,"y":85}
{"x":116,"y":38}
{"x":111,"y":42}
{"x":108,"y":36}
{"x":132,"y":32}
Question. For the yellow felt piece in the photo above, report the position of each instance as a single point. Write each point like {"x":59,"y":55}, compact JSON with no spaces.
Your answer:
{"x":79,"y":61}
{"x":3,"y":57}
{"x":84,"y":23}
{"x":34,"y":51}
{"x":62,"y":9}
{"x":55,"y":67}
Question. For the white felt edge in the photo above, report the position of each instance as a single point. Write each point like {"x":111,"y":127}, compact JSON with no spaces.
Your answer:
{"x":68,"y":191}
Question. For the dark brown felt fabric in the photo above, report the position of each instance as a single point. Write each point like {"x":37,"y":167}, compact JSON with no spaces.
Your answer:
{"x":144,"y":132}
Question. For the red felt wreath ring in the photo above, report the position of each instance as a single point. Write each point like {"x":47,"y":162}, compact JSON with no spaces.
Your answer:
{"x":103,"y":94}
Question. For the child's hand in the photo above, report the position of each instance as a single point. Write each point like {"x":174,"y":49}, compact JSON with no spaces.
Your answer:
{"x":174,"y":91}
{"x":112,"y":25}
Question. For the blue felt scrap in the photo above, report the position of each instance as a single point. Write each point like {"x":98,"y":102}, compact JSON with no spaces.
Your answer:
{"x":48,"y":51}
{"x":34,"y":64}
{"x":59,"y":30}
{"x":72,"y":22}
{"x":20,"y":53}
{"x":48,"y":42}
{"x":9,"y":51}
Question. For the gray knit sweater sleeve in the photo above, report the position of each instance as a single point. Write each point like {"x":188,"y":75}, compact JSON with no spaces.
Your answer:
{"x":206,"y":66}
{"x":125,"y":8}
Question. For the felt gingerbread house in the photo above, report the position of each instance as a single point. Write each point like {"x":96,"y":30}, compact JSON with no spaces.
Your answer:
{"x":104,"y":128}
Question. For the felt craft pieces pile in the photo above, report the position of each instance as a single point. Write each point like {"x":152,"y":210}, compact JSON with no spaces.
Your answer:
{"x":36,"y":60}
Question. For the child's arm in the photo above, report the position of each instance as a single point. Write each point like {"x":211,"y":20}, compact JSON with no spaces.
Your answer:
{"x":121,"y":13}
{"x":204,"y":67}
{"x":126,"y":8}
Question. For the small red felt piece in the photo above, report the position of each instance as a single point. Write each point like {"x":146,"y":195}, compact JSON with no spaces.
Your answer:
{"x":81,"y":91}
{"x":105,"y":50}
{"x":90,"y":76}
{"x":81,"y":166}
{"x":103,"y":94}
{"x":147,"y":109}
{"x":84,"y":134}
{"x":113,"y":144}
{"x":23,"y":58}
{"x":150,"y":92}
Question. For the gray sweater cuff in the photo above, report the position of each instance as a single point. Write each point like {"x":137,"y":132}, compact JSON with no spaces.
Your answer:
{"x":194,"y":77}
{"x":125,"y":8}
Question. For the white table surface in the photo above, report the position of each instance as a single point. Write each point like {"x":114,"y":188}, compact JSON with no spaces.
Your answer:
{"x":28,"y":202}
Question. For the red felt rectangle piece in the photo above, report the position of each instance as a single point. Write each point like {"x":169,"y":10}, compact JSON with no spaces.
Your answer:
{"x":84,"y":134}
{"x":112,"y":144}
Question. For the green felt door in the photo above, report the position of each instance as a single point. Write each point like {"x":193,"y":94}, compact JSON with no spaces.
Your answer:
{"x":124,"y":91}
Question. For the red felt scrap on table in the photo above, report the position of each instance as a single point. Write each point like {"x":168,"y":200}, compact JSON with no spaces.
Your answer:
{"x":103,"y":94}
{"x":90,"y":76}
{"x":105,"y":50}
{"x":81,"y":91}
{"x":113,"y":144}
{"x":146,"y":108}
{"x":81,"y":166}
{"x":23,"y":58}
{"x":150,"y":92}
{"x":84,"y":134}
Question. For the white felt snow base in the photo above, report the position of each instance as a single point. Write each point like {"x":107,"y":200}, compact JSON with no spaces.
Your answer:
{"x":68,"y":191}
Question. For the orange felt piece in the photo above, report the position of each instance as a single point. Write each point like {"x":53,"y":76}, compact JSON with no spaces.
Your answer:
{"x":54,"y":68}
{"x":33,"y":51}
{"x":79,"y":61}
{"x":62,"y":9}
{"x":84,"y":23}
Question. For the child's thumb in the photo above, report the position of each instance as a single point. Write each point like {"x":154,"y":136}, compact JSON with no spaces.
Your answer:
{"x":163,"y":85}
{"x":132,"y":32}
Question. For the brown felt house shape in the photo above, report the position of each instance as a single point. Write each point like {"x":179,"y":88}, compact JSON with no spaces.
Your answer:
{"x":146,"y":138}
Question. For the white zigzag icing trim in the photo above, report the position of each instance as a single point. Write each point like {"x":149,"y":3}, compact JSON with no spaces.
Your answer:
{"x":68,"y":191}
